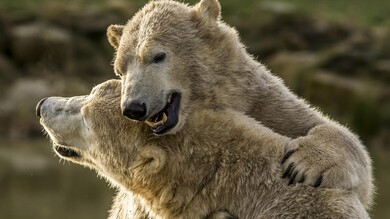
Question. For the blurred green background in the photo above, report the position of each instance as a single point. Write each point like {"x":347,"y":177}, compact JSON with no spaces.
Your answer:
{"x":334,"y":53}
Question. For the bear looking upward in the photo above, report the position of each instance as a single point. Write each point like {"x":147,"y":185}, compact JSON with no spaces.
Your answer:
{"x":221,"y":160}
{"x":173,"y":58}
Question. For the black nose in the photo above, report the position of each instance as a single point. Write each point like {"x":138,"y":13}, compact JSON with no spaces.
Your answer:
{"x":134,"y":110}
{"x":38,"y":108}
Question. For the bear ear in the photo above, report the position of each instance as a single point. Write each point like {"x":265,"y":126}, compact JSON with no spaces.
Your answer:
{"x":114,"y":34}
{"x":208,"y":9}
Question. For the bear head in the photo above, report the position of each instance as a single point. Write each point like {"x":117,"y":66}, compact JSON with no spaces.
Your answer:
{"x":164,"y":56}
{"x":90,"y":130}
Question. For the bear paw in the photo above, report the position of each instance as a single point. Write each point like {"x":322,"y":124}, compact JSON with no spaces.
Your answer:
{"x":322,"y":159}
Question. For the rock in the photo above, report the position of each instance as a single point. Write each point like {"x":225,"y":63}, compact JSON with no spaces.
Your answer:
{"x":23,"y":163}
{"x":330,"y":89}
{"x":381,"y":66}
{"x":353,"y":57}
{"x":366,"y":54}
{"x":3,"y":37}
{"x":382,"y":69}
{"x":293,"y":67}
{"x":88,"y":21}
{"x":381,"y":37}
{"x":17,"y":108}
{"x":349,"y":100}
{"x":296,"y":31}
{"x":8,"y":71}
{"x":277,"y":7}
{"x":38,"y":41}
{"x":381,"y":141}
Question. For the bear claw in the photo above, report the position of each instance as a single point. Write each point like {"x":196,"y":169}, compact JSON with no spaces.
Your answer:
{"x":318,"y":181}
{"x":287,"y":155}
{"x":289,"y":170}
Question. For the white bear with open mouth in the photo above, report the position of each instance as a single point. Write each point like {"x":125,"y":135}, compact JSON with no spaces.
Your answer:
{"x":173,"y":58}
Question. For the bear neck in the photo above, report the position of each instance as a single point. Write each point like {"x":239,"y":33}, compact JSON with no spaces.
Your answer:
{"x":238,"y":81}
{"x":227,"y":71}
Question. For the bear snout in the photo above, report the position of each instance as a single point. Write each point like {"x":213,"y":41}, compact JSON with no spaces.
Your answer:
{"x":38,"y":108}
{"x":134,"y":110}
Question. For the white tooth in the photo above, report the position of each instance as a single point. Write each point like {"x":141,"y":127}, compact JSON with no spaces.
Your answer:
{"x":164,"y":118}
{"x":149,"y":123}
{"x":158,"y":123}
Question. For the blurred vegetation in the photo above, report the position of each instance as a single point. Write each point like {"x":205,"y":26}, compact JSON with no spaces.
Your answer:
{"x":335,"y":54}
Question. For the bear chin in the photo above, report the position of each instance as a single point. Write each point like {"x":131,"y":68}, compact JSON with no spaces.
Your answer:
{"x":66,"y":152}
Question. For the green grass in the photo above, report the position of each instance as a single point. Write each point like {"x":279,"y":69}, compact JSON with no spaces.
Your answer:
{"x":361,"y":12}
{"x":364,"y":12}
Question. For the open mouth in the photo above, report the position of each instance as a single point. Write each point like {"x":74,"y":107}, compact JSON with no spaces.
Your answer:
{"x":65,"y":151}
{"x":167,"y":118}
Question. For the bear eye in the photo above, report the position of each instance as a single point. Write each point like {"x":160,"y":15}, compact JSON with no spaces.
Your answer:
{"x":159,"y":57}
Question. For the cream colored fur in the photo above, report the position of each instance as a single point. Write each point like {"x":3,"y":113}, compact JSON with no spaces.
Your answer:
{"x":210,"y":67}
{"x":221,"y":161}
